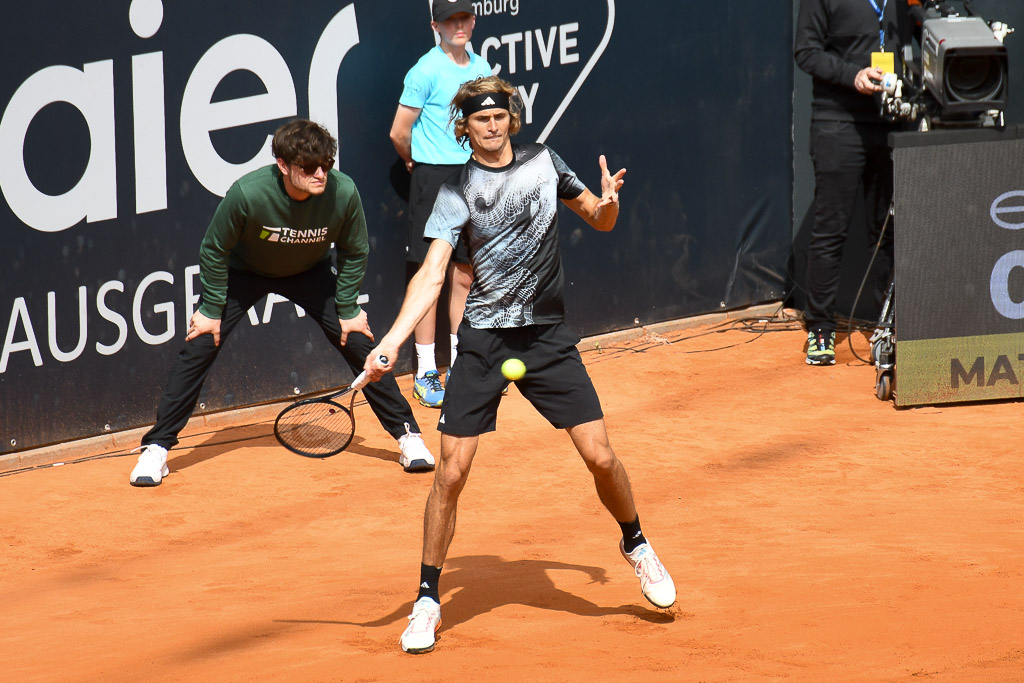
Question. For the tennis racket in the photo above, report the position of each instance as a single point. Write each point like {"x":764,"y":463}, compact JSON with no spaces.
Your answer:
{"x":322,"y":426}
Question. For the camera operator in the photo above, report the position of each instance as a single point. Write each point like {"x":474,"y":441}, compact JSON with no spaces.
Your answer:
{"x":835,"y":42}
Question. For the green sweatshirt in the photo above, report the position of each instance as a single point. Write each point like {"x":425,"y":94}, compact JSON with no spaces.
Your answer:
{"x":259,"y":229}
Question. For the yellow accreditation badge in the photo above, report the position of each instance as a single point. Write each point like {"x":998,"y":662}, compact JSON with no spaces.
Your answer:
{"x":886,"y":61}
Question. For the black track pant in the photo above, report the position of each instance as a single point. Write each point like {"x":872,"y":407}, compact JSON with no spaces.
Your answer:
{"x":313,"y":290}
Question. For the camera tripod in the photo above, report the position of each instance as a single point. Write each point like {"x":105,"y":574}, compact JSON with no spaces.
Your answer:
{"x":883,"y":339}
{"x":883,"y":348}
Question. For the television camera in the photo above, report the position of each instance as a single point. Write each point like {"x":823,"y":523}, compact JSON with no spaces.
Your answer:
{"x":957,"y":76}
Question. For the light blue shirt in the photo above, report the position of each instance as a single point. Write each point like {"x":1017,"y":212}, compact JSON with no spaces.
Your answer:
{"x":430,"y":86}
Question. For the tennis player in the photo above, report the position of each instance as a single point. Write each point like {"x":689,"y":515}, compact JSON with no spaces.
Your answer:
{"x":504,"y":201}
{"x":273,"y":232}
{"x":422,"y":135}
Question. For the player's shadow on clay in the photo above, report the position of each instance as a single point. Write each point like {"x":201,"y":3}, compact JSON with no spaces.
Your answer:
{"x":477,"y":584}
{"x":195,"y":450}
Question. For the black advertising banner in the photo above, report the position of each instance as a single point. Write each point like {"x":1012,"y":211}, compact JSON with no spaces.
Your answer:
{"x":123,"y":123}
{"x":959,"y":265}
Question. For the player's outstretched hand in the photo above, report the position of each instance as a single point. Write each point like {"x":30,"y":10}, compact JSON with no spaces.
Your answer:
{"x":357,"y":324}
{"x":610,"y":184}
{"x":200,"y":325}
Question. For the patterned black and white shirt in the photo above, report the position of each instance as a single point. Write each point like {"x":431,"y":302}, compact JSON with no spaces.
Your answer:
{"x":509,"y":216}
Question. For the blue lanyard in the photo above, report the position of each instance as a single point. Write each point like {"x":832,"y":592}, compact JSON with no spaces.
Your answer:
{"x":880,"y":11}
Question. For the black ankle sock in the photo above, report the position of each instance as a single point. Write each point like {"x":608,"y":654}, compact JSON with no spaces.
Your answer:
{"x":430,"y":577}
{"x":631,"y":535}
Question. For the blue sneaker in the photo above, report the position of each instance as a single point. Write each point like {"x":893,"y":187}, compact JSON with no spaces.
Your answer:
{"x":428,"y":390}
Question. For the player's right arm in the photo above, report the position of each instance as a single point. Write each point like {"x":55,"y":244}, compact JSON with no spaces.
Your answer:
{"x":444,"y":228}
{"x":424,"y":289}
{"x":401,"y":132}
{"x":214,"y":255}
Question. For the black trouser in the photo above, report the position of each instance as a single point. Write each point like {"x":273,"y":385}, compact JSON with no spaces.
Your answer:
{"x":313,"y":290}
{"x":847,"y":157}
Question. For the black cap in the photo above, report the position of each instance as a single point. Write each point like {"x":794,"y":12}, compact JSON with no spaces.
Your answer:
{"x":444,"y":9}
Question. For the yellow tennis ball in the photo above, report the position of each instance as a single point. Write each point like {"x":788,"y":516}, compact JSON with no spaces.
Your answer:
{"x":513,"y":369}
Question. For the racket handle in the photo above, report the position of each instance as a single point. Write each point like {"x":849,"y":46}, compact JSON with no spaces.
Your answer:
{"x":361,"y":380}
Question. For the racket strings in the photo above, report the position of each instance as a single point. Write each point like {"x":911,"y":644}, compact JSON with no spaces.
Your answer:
{"x":318,"y":428}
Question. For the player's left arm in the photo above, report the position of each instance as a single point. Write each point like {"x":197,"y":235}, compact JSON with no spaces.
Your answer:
{"x":352,"y":249}
{"x":600,"y":212}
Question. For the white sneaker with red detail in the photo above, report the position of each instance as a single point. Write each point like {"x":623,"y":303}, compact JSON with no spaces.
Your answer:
{"x":655,"y":583}
{"x":419,"y":636}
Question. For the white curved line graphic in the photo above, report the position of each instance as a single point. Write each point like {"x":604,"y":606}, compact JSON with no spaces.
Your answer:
{"x":583,"y":76}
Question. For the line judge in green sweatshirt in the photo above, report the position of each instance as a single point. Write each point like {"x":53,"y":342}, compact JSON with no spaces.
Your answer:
{"x":272,"y":233}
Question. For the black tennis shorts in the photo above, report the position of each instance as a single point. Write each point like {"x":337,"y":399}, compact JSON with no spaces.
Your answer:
{"x":556,"y":381}
{"x":426,"y":182}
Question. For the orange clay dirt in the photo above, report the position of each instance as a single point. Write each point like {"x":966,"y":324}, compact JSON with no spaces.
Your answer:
{"x":814,"y":534}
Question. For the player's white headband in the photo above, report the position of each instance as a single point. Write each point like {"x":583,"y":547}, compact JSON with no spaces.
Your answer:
{"x":487,"y":100}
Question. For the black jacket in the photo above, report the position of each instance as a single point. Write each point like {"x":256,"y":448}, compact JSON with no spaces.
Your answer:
{"x":834,"y":41}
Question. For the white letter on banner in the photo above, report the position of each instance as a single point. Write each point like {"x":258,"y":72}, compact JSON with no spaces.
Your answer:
{"x":996,"y":210}
{"x":999,"y":286}
{"x":199,"y":115}
{"x":340,"y":36}
{"x":272,"y":299}
{"x":511,"y":39}
{"x":20,"y":312}
{"x":150,"y":136}
{"x":111,"y":316}
{"x":94,"y":197}
{"x":167,"y":308}
{"x":51,"y":320}
{"x":565,"y":42}
{"x":191,"y":298}
{"x":528,"y":99}
{"x":546,"y":51}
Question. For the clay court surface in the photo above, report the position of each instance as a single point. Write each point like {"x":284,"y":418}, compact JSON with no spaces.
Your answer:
{"x":814,"y":534}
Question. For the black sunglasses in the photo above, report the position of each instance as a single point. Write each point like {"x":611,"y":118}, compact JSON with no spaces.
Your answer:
{"x":310,"y":169}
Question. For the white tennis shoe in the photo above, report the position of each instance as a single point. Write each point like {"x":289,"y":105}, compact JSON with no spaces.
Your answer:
{"x":419,"y":636}
{"x":151,"y":468}
{"x":415,"y":457}
{"x":655,"y":583}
